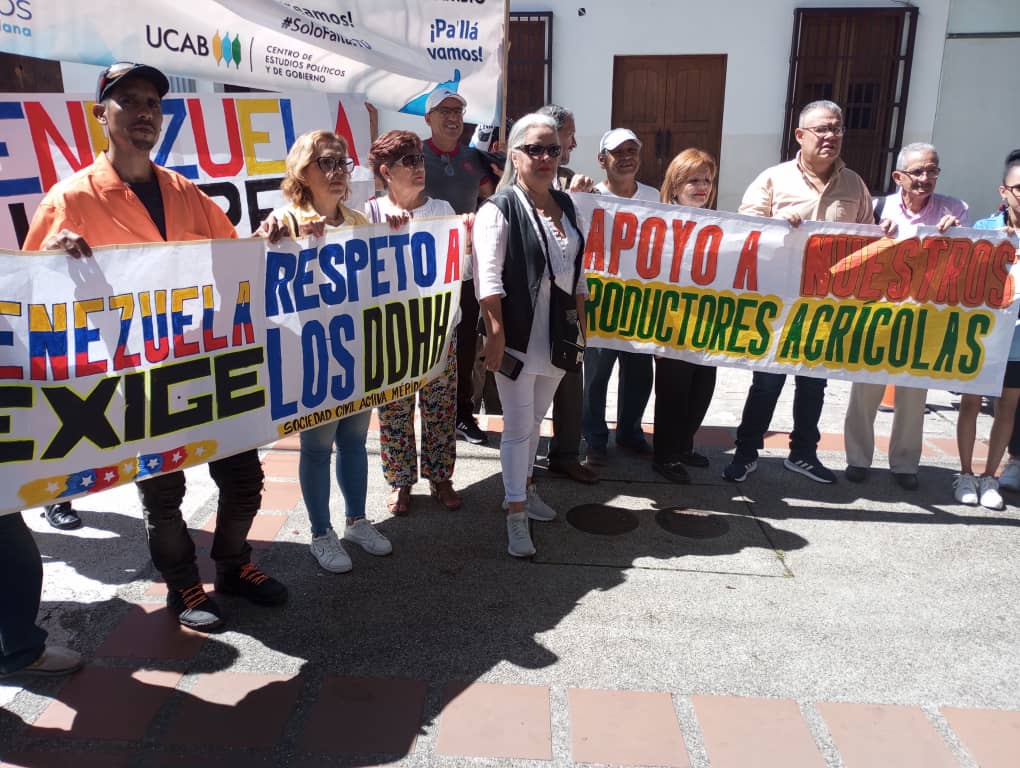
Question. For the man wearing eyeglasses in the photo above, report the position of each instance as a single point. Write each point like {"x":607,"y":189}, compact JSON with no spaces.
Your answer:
{"x":122,"y":198}
{"x":817,"y":186}
{"x":453,"y":172}
{"x":913,"y":204}
{"x":620,"y":157}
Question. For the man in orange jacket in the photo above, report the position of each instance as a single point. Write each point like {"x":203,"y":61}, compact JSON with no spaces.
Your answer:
{"x":122,"y":198}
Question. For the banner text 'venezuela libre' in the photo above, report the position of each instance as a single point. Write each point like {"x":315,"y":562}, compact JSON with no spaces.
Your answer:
{"x":143,"y":345}
{"x":913,"y":305}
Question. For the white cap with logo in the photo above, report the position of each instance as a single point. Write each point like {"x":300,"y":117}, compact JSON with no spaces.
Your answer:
{"x":440,"y":95}
{"x":614,"y":138}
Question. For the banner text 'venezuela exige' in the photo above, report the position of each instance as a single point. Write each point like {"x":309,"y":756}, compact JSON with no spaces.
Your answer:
{"x":827,"y":300}
{"x":150,"y":358}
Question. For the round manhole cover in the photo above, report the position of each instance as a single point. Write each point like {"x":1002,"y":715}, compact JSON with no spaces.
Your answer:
{"x":692,"y":523}
{"x":602,"y":519}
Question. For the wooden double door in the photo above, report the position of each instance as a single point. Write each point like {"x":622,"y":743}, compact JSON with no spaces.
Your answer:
{"x":671,"y":103}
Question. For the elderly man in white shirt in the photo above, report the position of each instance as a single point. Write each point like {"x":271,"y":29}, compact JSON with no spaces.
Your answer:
{"x":914,"y":203}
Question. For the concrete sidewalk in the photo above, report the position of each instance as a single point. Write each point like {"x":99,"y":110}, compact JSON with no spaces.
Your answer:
{"x":777,"y":622}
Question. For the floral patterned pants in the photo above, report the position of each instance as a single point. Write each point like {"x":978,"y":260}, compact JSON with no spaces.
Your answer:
{"x":397,"y":445}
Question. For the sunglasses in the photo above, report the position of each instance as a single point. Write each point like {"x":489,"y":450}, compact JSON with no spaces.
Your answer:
{"x":332,"y":164}
{"x":410,"y":161}
{"x":535,"y":151}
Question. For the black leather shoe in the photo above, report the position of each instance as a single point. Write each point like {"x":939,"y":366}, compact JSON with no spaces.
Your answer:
{"x":575,"y":470}
{"x":61,"y":516}
{"x":856,"y":474}
{"x":694,"y":459}
{"x":905,"y":481}
{"x":674,"y":471}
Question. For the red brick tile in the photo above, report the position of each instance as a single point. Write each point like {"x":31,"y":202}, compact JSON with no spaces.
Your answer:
{"x":279,"y":496}
{"x":359,"y":715}
{"x":487,"y":720}
{"x":235,"y":709}
{"x":992,"y":736}
{"x":755,"y":733}
{"x":107,"y":703}
{"x":625,"y":727}
{"x":882,"y":443}
{"x":263,"y":531}
{"x":492,"y":423}
{"x":64,"y":759}
{"x":869,"y":735}
{"x":714,"y":437}
{"x":150,"y":631}
{"x":777,"y":440}
{"x":831,"y":441}
{"x":284,"y":465}
{"x":947,"y":447}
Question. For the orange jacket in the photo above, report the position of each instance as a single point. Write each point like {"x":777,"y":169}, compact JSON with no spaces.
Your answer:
{"x":97,"y":205}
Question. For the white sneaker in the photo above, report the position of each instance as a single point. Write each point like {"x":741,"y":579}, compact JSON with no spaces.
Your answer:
{"x":536,"y":508}
{"x":1010,"y":478}
{"x":966,"y":489}
{"x":364,"y":534}
{"x":518,"y":536}
{"x":988,"y":488}
{"x":330,"y":553}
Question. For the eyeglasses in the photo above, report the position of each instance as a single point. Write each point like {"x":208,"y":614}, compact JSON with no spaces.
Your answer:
{"x":332,"y":164}
{"x":917,"y":173}
{"x":825,"y":130}
{"x":1015,"y":189}
{"x":448,"y":112}
{"x":535,"y":151}
{"x":410,"y":161}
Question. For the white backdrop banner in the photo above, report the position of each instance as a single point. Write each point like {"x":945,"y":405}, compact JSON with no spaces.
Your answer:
{"x":232,"y":145}
{"x":392,"y":51}
{"x":146,"y":359}
{"x":833,"y":301}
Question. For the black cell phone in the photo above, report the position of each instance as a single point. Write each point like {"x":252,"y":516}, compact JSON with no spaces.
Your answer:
{"x":511,"y":366}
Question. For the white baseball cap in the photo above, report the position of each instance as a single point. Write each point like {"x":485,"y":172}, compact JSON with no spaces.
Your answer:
{"x":440,"y":95}
{"x":614,"y":138}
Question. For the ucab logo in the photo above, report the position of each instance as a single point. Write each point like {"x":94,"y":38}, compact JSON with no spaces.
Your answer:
{"x":175,"y":40}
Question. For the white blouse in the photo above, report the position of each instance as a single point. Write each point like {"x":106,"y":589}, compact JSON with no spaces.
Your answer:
{"x":491,"y":235}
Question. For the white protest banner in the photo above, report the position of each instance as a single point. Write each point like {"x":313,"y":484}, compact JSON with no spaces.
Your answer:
{"x":150,"y":358}
{"x":232,"y":145}
{"x":827,"y":300}
{"x":392,"y":51}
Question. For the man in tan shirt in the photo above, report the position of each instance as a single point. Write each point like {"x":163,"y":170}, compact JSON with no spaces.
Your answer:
{"x":816,"y":185}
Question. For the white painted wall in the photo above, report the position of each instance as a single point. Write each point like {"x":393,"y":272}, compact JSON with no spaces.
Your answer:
{"x":978,"y":115}
{"x":755,"y":35}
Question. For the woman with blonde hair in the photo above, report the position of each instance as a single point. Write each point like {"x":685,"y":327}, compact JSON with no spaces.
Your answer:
{"x":317,"y":181}
{"x":683,"y":390}
{"x":530,"y":286}
{"x":396,"y":157}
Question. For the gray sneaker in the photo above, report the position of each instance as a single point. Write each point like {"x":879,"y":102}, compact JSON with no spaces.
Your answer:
{"x":518,"y":536}
{"x":364,"y":534}
{"x":330,"y":553}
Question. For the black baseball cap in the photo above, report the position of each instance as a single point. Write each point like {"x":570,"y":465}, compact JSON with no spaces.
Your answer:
{"x":114,"y":74}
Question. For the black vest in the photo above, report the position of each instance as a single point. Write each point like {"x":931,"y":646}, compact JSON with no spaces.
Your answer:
{"x":525,"y":264}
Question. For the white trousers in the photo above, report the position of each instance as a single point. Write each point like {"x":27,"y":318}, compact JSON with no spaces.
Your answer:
{"x":525,"y":402}
{"x":906,"y":439}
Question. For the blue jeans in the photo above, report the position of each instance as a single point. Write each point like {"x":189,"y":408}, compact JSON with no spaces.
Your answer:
{"x":351,"y":468}
{"x":761,"y":404}
{"x":21,"y":641}
{"x":636,"y":378}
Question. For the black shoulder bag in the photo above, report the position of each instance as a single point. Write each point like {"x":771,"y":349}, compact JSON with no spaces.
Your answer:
{"x":566,"y":342}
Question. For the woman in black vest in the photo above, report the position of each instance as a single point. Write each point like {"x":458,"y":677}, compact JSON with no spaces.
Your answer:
{"x":526,"y":237}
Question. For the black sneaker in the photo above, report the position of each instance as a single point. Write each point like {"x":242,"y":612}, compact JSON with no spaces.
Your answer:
{"x":810,"y":466}
{"x":855,"y":474}
{"x":738,"y":469}
{"x":674,"y":471}
{"x":61,"y":516}
{"x":470,"y":431}
{"x":251,"y":583}
{"x":195,"y":609}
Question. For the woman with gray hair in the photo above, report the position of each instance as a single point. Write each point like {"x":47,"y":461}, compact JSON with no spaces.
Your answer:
{"x":528,"y":249}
